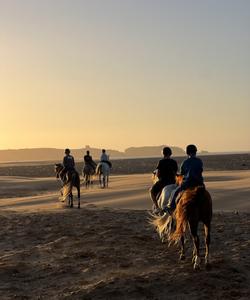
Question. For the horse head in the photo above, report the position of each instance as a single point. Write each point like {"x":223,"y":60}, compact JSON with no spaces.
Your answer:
{"x":155,"y":177}
{"x":58,"y":168}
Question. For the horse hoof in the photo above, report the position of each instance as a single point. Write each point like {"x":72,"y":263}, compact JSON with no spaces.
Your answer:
{"x":196,"y":267}
{"x":208,"y":266}
{"x":182,"y":257}
{"x":78,"y":207}
{"x":197,"y":262}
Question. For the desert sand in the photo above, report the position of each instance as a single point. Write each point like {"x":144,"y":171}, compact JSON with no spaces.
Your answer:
{"x":108,"y":249}
{"x":230,"y":191}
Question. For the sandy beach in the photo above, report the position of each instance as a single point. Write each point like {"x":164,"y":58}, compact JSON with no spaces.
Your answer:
{"x":108,"y":250}
{"x":230,"y":191}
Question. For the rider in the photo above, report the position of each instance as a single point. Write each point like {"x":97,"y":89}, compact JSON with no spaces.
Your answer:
{"x":88,"y":160}
{"x":191,"y":169}
{"x":166,"y":172}
{"x":68,"y":163}
{"x":105,"y":158}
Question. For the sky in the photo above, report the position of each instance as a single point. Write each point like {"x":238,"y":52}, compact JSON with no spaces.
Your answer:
{"x":115,"y":74}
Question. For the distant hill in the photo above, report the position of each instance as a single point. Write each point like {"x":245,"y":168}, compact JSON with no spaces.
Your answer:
{"x":151,"y":151}
{"x":53,"y":154}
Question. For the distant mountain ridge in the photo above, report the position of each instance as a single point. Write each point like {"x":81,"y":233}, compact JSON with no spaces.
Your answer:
{"x":49,"y":154}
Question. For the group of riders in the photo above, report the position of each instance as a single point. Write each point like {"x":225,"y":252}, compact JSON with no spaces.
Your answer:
{"x":69,"y":162}
{"x":166,"y":171}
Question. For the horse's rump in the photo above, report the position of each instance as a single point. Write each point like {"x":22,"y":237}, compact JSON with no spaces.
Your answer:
{"x":72,"y":179}
{"x":102,"y":168}
{"x":195,"y":205}
{"x":88,"y":170}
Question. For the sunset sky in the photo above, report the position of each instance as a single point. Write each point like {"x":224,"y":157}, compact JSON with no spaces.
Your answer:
{"x":116,"y":73}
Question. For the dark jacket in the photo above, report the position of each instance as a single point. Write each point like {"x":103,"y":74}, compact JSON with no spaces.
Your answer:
{"x":69,"y":163}
{"x":192,"y":169}
{"x":167,"y":169}
{"x":88,"y":159}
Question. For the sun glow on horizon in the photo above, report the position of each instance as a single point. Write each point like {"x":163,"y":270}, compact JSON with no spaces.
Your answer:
{"x":117,"y":75}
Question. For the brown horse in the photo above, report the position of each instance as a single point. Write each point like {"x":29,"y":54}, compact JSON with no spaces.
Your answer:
{"x":194,"y":206}
{"x":68,"y":180}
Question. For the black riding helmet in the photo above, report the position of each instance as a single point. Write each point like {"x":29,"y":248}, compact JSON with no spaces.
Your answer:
{"x":167,"y":151}
{"x":67,"y":151}
{"x":191,"y":149}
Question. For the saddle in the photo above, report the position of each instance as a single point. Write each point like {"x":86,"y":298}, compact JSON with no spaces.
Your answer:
{"x":108,"y":163}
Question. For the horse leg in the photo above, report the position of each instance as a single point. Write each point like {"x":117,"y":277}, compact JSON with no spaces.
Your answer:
{"x":182,"y":252}
{"x":71,"y":200}
{"x":196,"y":255}
{"x":207,"y":243}
{"x":87,"y":181}
{"x":78,"y":195}
{"x":100,"y":180}
{"x":104,"y":181}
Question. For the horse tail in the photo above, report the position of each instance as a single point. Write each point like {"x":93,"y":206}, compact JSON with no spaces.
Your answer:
{"x":184,"y":209}
{"x":163,"y":225}
{"x":67,"y":189}
{"x":98,"y":169}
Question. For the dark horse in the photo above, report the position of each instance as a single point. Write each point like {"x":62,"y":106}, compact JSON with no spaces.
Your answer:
{"x":88,"y":172}
{"x":69,"y":180}
{"x":194,"y":206}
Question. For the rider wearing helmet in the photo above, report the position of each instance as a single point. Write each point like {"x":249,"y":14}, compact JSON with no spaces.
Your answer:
{"x":68,"y":164}
{"x":191,"y":169}
{"x":166,"y":172}
{"x":88,"y":160}
{"x":105,"y":158}
{"x":68,"y":161}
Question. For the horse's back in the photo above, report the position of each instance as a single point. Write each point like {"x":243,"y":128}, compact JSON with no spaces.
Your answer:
{"x":198,"y":203}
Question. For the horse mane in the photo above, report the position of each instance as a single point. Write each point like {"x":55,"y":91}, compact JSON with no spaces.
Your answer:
{"x":185,"y":209}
